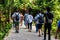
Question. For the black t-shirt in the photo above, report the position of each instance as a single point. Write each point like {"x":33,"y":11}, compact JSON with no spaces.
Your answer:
{"x":48,"y":16}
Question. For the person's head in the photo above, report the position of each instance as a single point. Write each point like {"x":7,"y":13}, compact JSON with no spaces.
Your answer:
{"x":39,"y":11}
{"x":21,"y":13}
{"x":48,"y":9}
{"x":17,"y":10}
{"x":27,"y":11}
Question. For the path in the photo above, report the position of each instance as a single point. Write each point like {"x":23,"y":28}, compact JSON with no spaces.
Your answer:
{"x":24,"y":35}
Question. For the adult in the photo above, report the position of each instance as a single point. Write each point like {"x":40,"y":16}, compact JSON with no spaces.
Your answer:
{"x":30,"y":20}
{"x":58,"y":29}
{"x":35,"y":20}
{"x":48,"y":22}
{"x":36,"y":24}
{"x":16,"y":20}
{"x":22,"y":17}
{"x":25,"y":19}
{"x":39,"y":21}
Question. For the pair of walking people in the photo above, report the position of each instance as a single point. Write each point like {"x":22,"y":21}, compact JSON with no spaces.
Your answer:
{"x":46,"y":19}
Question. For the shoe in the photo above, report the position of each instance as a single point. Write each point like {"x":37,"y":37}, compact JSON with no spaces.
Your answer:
{"x":39,"y":35}
{"x":55,"y":37}
{"x":44,"y":39}
{"x":36,"y":31}
{"x":17,"y":31}
{"x":42,"y":33}
{"x":29,"y":31}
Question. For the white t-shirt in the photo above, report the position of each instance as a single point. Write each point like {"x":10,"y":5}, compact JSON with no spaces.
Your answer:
{"x":16,"y":13}
{"x":30,"y":18}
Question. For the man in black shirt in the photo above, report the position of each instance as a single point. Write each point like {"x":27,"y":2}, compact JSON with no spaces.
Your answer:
{"x":48,"y":22}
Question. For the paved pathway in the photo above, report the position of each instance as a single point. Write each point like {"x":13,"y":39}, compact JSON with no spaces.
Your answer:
{"x":24,"y":35}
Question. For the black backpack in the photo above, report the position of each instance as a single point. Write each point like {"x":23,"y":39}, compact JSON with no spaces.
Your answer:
{"x":17,"y":17}
{"x":41,"y":19}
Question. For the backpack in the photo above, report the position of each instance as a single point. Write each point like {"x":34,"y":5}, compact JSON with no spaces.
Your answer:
{"x":17,"y":17}
{"x":41,"y":18}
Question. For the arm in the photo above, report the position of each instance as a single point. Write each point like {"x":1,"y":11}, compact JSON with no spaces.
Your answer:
{"x":52,"y":17}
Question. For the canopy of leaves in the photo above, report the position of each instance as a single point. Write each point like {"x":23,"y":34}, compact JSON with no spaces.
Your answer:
{"x":9,"y":5}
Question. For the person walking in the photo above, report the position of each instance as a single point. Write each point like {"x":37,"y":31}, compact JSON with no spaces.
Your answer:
{"x":35,"y":20}
{"x":36,"y":24}
{"x":39,"y":21}
{"x":48,"y":22}
{"x":21,"y":17}
{"x":30,"y":20}
{"x":58,"y":29}
{"x":25,"y":19}
{"x":16,"y":18}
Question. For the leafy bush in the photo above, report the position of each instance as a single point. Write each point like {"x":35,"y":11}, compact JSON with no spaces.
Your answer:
{"x":5,"y":31}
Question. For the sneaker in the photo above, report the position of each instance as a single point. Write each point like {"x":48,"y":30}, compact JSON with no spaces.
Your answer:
{"x":42,"y":33}
{"x":39,"y":35}
{"x":55,"y":37}
{"x":44,"y":39}
{"x":17,"y":31}
{"x":36,"y":31}
{"x":29,"y":31}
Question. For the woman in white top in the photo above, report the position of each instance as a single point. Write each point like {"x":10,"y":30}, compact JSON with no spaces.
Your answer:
{"x":30,"y":19}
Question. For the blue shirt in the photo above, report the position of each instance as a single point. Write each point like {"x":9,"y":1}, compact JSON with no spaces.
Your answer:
{"x":59,"y":24}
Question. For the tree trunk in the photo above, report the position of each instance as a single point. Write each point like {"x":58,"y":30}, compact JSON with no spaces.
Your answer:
{"x":9,"y":15}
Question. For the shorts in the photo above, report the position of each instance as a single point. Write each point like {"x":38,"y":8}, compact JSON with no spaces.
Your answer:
{"x":39,"y":26}
{"x":58,"y":26}
{"x":16,"y":23}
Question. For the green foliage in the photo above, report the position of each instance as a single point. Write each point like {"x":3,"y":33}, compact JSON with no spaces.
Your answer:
{"x":5,"y":31}
{"x":35,"y":5}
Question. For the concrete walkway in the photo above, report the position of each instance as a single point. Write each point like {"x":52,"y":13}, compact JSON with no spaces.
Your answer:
{"x":24,"y":35}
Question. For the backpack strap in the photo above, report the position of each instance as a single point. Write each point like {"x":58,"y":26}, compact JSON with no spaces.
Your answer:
{"x":16,"y":14}
{"x":41,"y":15}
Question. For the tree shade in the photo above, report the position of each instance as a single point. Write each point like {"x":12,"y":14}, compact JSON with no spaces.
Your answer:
{"x":7,"y":7}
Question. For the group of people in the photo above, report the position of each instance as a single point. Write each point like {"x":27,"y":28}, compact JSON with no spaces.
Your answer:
{"x":40,"y":19}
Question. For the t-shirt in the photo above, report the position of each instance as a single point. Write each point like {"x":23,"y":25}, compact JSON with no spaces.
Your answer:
{"x":14,"y":15}
{"x":37,"y":16}
{"x":48,"y":16}
{"x":30,"y":18}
